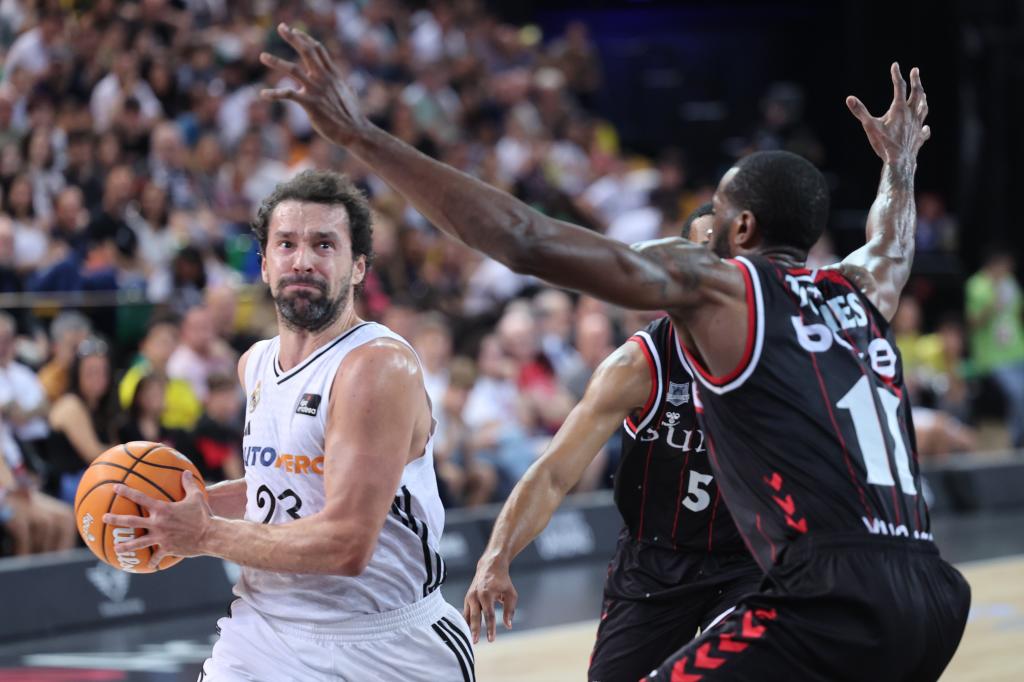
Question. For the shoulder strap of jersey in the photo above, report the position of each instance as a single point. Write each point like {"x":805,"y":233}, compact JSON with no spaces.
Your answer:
{"x":254,"y":362}
{"x":649,"y":339}
{"x":754,"y":341}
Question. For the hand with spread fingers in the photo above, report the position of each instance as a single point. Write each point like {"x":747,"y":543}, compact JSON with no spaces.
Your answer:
{"x":898,"y":134}
{"x":491,"y":585}
{"x":333,"y":108}
{"x":175,"y":528}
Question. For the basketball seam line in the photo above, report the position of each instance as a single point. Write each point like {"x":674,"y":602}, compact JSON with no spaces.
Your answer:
{"x":114,"y":497}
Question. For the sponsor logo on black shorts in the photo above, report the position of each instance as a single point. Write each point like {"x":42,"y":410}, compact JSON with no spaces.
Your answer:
{"x":308,"y":404}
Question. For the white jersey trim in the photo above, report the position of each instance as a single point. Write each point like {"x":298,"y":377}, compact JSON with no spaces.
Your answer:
{"x":659,"y":387}
{"x":755,"y":355}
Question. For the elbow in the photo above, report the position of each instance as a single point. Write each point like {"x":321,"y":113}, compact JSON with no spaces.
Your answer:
{"x":354,"y":561}
{"x":522,"y":254}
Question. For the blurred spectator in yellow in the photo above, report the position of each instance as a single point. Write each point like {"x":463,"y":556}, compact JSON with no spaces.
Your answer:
{"x":182,"y":408}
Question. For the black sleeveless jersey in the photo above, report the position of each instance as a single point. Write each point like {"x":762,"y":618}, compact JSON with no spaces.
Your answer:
{"x":664,"y":487}
{"x":812,"y":434}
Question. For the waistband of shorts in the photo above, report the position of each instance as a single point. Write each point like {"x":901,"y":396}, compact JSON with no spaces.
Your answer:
{"x":817,"y":543}
{"x":426,"y":611}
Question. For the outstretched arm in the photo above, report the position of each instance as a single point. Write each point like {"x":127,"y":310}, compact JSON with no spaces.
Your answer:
{"x":882,"y":266}
{"x":488,"y":219}
{"x":621,"y":384}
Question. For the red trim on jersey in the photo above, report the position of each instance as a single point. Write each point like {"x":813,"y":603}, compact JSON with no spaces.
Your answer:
{"x":667,"y":369}
{"x":714,"y":510}
{"x":679,"y":498}
{"x":654,"y":381}
{"x":748,"y":349}
{"x":643,"y":493}
{"x":833,"y":276}
{"x":757,"y":522}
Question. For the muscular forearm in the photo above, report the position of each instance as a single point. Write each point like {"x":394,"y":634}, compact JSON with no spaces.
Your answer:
{"x":310,"y":545}
{"x":528,"y":510}
{"x":227,"y":498}
{"x":538,"y":494}
{"x":469,"y":210}
{"x":892,"y":220}
{"x":511,"y":232}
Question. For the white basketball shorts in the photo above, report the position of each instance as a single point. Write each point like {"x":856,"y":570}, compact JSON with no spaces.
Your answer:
{"x":427,"y":641}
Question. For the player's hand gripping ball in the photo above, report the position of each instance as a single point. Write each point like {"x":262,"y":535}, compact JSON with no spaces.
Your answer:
{"x":151,"y":468}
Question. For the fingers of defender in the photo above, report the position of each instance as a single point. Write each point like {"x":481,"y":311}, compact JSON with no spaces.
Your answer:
{"x":926,"y":133}
{"x":284,"y":93}
{"x":487,"y":602}
{"x":858,"y":109}
{"x":472,"y":613}
{"x":312,"y":49}
{"x":899,"y":86}
{"x":300,"y":41}
{"x":508,"y":608}
{"x":290,"y":69}
{"x":916,"y":88}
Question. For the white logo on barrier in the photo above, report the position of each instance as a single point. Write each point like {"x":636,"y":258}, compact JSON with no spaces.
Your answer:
{"x":453,"y":546}
{"x":113,"y":584}
{"x":567,"y":535}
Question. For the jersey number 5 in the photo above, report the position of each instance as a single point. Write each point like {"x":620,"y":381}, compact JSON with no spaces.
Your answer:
{"x":697,"y":499}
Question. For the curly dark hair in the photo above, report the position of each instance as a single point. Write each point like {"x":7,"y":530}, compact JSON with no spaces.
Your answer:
{"x":321,"y":187}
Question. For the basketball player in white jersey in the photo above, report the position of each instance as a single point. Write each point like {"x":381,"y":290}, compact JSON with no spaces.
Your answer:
{"x":337,"y":521}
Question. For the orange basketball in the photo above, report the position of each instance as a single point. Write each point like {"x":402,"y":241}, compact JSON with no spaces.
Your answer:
{"x":151,"y":468}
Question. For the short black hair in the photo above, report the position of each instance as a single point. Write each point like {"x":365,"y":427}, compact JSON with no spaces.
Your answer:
{"x":787,"y":195}
{"x":699,"y":212}
{"x":321,"y":187}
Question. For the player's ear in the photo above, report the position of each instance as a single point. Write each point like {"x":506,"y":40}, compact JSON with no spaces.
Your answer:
{"x":263,"y":268}
{"x":358,"y":270}
{"x":745,"y":230}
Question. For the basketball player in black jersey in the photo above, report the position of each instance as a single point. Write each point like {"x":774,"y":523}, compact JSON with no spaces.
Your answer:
{"x":680,"y":563}
{"x":800,"y":385}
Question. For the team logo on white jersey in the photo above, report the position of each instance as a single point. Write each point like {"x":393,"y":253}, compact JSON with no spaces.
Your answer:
{"x":678,"y":394}
{"x":255,"y":399}
{"x":308,"y":404}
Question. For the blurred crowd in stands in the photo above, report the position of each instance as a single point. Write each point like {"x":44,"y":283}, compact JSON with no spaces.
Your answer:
{"x":134,"y":150}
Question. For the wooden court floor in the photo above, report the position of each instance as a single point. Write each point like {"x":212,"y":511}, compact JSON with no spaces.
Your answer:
{"x":992,"y":649}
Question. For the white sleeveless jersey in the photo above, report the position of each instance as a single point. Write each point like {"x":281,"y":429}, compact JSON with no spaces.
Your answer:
{"x":283,"y":450}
